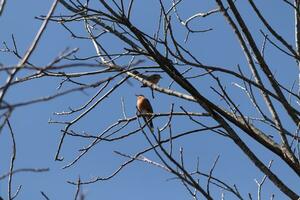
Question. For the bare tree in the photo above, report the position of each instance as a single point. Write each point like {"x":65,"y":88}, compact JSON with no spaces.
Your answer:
{"x":265,"y":112}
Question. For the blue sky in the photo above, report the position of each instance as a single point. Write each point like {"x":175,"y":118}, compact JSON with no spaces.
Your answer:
{"x":37,"y":140}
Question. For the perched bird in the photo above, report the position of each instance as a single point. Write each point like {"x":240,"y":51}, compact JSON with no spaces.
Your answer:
{"x":154,"y":78}
{"x":144,"y":107}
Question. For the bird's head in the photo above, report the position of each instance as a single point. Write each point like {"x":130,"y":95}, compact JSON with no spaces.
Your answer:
{"x":139,"y":96}
{"x":156,"y":76}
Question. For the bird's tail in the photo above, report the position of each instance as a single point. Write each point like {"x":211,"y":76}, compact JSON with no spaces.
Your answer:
{"x":149,"y":123}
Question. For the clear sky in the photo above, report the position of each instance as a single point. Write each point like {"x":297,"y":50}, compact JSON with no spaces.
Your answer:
{"x":37,"y":140}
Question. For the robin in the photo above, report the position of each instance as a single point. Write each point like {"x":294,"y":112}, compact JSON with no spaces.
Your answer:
{"x":144,"y":107}
{"x":154,"y":78}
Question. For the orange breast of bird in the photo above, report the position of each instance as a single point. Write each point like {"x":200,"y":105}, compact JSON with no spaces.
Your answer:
{"x":144,"y":105}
